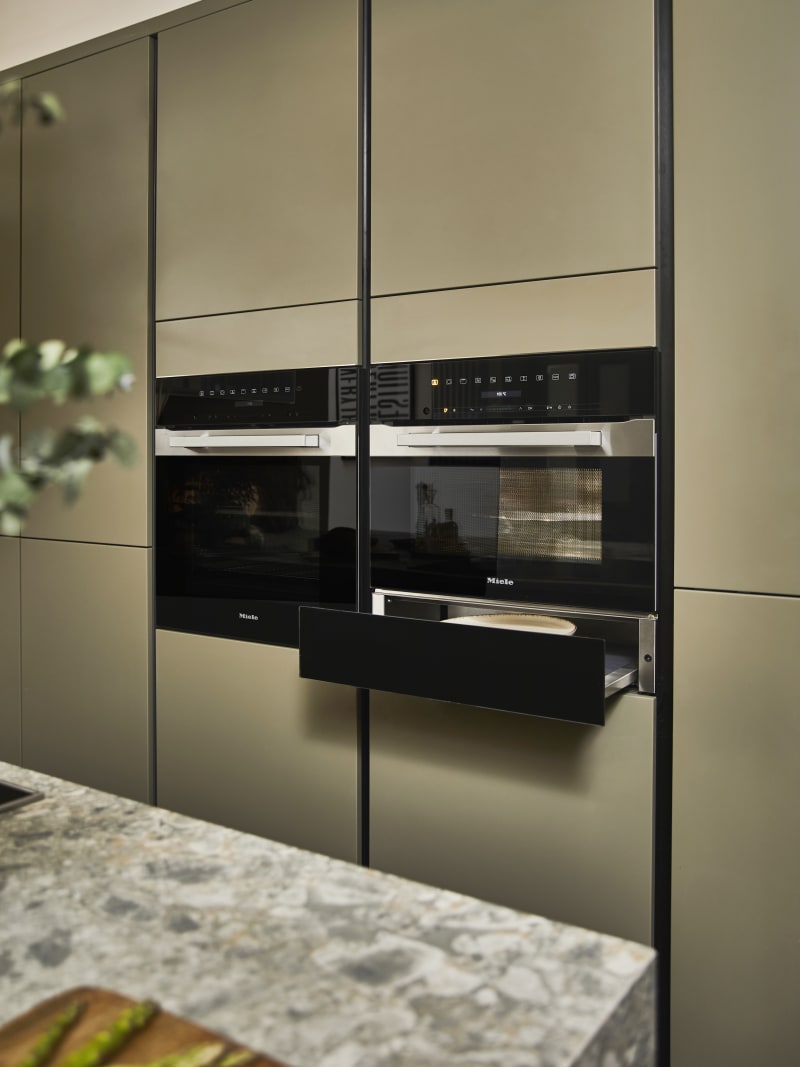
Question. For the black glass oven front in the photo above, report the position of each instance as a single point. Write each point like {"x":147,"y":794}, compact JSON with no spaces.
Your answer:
{"x":254,"y":516}
{"x":527,"y":478}
{"x":574,"y":531}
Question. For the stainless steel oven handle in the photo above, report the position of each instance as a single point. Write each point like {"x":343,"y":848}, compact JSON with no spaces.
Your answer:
{"x":509,"y":439}
{"x":286,"y":440}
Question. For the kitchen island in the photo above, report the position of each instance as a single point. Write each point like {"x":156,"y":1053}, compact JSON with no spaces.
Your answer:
{"x":314,"y":961}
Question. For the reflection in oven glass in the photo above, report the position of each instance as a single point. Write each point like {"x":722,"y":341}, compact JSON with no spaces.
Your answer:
{"x":234,"y":519}
{"x":551,"y":514}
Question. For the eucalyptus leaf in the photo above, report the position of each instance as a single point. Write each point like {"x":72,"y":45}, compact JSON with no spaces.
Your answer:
{"x":10,"y":348}
{"x":15,"y":492}
{"x":49,"y":107}
{"x":10,"y":523}
{"x":123,"y":447}
{"x":51,"y":352}
{"x":6,"y":452}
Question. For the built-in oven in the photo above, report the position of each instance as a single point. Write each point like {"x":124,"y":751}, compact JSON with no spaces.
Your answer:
{"x":512,"y":493}
{"x":255,"y":501}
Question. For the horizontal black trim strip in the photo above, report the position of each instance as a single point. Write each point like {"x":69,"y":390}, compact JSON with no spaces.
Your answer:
{"x":256,"y":311}
{"x":735,"y":592}
{"x":513,"y":281}
{"x":550,"y":676}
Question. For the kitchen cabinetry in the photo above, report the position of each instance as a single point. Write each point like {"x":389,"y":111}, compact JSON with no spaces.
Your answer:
{"x":257,"y":160}
{"x":512,"y":141}
{"x":736,"y":824}
{"x":9,"y":252}
{"x":85,"y":664}
{"x":559,"y":315}
{"x":85,"y":248}
{"x":10,"y":733}
{"x":737,"y":316}
{"x":535,"y":814}
{"x":316,"y":335}
{"x":9,"y":228}
{"x":245,"y":742}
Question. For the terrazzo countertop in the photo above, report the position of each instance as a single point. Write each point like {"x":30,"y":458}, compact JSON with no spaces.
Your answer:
{"x":314,"y":961}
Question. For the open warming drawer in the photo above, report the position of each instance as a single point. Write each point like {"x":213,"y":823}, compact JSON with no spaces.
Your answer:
{"x":402,"y":647}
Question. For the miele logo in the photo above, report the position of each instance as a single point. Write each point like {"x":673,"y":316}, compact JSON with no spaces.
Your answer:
{"x":252,"y":618}
{"x":499,"y":581}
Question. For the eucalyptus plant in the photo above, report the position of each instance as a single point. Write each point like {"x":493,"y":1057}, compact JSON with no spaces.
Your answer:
{"x":13,"y":104}
{"x":55,"y":372}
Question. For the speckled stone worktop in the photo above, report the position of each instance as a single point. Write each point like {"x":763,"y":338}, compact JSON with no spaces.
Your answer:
{"x":318,"y":962}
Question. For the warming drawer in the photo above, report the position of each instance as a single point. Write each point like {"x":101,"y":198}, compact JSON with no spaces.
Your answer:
{"x":552,"y":676}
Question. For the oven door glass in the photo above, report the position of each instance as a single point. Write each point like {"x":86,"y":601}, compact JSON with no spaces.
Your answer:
{"x":541,"y":530}
{"x":241,"y":542}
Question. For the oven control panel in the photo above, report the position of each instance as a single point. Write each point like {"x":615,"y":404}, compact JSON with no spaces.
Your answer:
{"x":306,"y":397}
{"x":520,"y":388}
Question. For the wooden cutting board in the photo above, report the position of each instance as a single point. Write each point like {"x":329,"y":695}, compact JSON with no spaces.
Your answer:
{"x":164,"y":1034}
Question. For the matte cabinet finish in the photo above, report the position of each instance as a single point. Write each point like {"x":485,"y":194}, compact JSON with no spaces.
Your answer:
{"x":512,"y":140}
{"x":9,"y":254}
{"x":737,"y":263}
{"x":10,"y":731}
{"x":244,"y":741}
{"x":534,"y":814}
{"x":85,"y":241}
{"x":563,"y":314}
{"x":85,"y":664}
{"x":9,"y":231}
{"x":257,"y":159}
{"x":736,"y":826}
{"x":319,"y":335}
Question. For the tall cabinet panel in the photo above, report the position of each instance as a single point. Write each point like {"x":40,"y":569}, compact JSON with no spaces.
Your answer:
{"x":737,"y":263}
{"x":10,"y":749}
{"x":9,"y":248}
{"x":85,"y":664}
{"x":536,"y":814}
{"x":85,"y":248}
{"x":244,"y":741}
{"x":736,"y":825}
{"x":512,"y":140}
{"x":10,"y":733}
{"x":257,"y":158}
{"x":9,"y":225}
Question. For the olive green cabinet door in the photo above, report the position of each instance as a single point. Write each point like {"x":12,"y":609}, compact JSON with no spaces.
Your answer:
{"x":10,"y":737}
{"x":511,"y":140}
{"x":257,"y":159}
{"x":243,"y":741}
{"x":737,"y":313}
{"x":85,"y":262}
{"x":535,"y":814}
{"x":9,"y":219}
{"x":736,"y":827}
{"x":9,"y":244}
{"x":86,"y":634}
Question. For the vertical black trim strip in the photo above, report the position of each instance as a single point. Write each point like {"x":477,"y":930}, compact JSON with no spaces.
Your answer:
{"x":665,"y":334}
{"x":150,"y":385}
{"x":19,"y":243}
{"x":19,"y":419}
{"x":363,"y":586}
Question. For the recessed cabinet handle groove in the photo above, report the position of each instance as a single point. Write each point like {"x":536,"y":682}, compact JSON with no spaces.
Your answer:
{"x":510,"y":439}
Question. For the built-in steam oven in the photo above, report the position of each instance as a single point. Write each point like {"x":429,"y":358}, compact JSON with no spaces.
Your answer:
{"x":516,"y":486}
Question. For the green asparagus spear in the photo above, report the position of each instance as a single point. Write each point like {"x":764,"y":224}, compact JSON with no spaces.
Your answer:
{"x":209,"y":1054}
{"x":193,"y":1056}
{"x":97,"y":1050}
{"x":50,"y":1040}
{"x":242,"y":1058}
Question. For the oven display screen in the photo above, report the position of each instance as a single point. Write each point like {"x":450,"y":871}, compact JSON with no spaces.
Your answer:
{"x":501,"y":394}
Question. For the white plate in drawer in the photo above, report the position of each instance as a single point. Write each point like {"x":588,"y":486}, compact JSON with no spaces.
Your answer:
{"x":535,"y":624}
